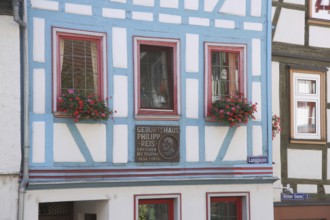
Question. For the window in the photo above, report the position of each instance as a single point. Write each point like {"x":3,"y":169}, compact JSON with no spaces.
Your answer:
{"x":158,"y":207}
{"x":224,"y":72}
{"x":307,"y":105}
{"x":227,"y":206}
{"x":319,"y":9}
{"x":156,"y":78}
{"x":78,"y":63}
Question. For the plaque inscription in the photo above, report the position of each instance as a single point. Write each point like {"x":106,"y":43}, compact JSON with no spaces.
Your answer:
{"x":157,"y":143}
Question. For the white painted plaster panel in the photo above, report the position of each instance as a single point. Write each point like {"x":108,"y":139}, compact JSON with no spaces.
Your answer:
{"x":192,"y":204}
{"x":192,"y":144}
{"x":273,"y":12}
{"x":319,"y":36}
{"x":256,"y":8}
{"x":38,"y":142}
{"x":237,"y":7}
{"x":328,"y":152}
{"x":45,"y":5}
{"x":328,"y":125}
{"x":169,"y":3}
{"x":275,"y":88}
{"x":327,"y":189}
{"x":39,"y":39}
{"x":78,"y":9}
{"x":94,"y":136}
{"x":214,"y":137}
{"x":9,"y":195}
{"x":119,"y":47}
{"x":120,"y":144}
{"x":328,"y":85}
{"x":256,"y":98}
{"x":199,"y":21}
{"x":39,"y":91}
{"x":120,"y":96}
{"x":209,"y":5}
{"x":299,"y":2}
{"x":252,"y":26}
{"x":237,"y":149}
{"x":65,"y":147}
{"x":192,"y":51}
{"x":305,"y":164}
{"x":10,"y":103}
{"x":256,"y":57}
{"x":191,"y":4}
{"x":257,"y":140}
{"x":120,"y":1}
{"x":113,"y":13}
{"x":172,"y":19}
{"x":144,"y":2}
{"x":220,"y":23}
{"x":142,"y":16}
{"x":306,"y":188}
{"x":192,"y":98}
{"x":290,"y":27}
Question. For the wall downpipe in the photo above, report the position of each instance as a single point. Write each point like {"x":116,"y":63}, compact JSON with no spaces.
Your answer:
{"x":25,"y":86}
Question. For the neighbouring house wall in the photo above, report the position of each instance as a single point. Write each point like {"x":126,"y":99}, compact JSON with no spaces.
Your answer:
{"x":10,"y":151}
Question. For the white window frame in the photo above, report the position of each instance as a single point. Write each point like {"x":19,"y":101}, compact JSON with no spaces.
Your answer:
{"x":307,"y":98}
{"x":55,"y":32}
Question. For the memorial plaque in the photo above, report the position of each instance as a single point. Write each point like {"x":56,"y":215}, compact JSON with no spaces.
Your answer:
{"x":157,"y":143}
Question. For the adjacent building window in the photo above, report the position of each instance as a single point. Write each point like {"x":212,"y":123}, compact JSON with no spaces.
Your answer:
{"x":307,"y":105}
{"x":319,"y":9}
{"x":161,"y":207}
{"x":78,"y":63}
{"x":227,"y":207}
{"x":224,"y":72}
{"x":156,"y":78}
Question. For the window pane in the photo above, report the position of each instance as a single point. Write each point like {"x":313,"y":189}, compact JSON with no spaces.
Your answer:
{"x":225,"y":210}
{"x":306,"y":117}
{"x":156,"y":77}
{"x":153,"y":212}
{"x":306,"y":86}
{"x":225,"y":81}
{"x":79,"y":66}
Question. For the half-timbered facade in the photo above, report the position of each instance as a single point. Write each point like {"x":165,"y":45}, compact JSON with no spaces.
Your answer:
{"x":161,"y":65}
{"x":300,"y":68}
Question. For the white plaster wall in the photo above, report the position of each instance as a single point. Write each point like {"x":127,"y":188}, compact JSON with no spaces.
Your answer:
{"x":328,"y":124}
{"x":38,"y":142}
{"x":39,"y":91}
{"x":144,"y":2}
{"x":120,"y":144}
{"x":328,"y":84}
{"x":237,"y":7}
{"x":120,"y":97}
{"x":209,"y":5}
{"x":45,"y":5}
{"x":256,"y":7}
{"x":94,"y":136}
{"x":192,"y":98}
{"x":237,"y":149}
{"x":193,"y":199}
{"x":299,"y":2}
{"x":192,"y":51}
{"x":256,"y":57}
{"x":78,"y":9}
{"x":257,"y":140}
{"x":214,"y":137}
{"x":8,"y":195}
{"x":113,"y":13}
{"x":191,"y":4}
{"x":305,"y":164}
{"x":10,"y":140}
{"x":277,"y":141}
{"x":119,"y":47}
{"x":256,"y":98}
{"x":39,"y":39}
{"x":192,"y":144}
{"x":305,"y":188}
{"x":169,"y":3}
{"x":319,"y":36}
{"x":290,"y":27}
{"x":65,"y":147}
{"x":221,"y":23}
